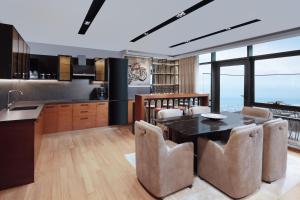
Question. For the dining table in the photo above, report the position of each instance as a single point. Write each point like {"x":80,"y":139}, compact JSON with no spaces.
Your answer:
{"x":188,"y":128}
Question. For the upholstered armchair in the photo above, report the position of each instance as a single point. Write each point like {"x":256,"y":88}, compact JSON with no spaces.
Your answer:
{"x":275,"y":149}
{"x":162,"y":167}
{"x":199,"y":110}
{"x":236,"y":167}
{"x":167,"y":113}
{"x":257,"y":112}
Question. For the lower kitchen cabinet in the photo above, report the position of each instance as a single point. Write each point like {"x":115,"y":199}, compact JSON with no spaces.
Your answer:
{"x":50,"y":113}
{"x":38,"y":131}
{"x":102,"y":114}
{"x":65,"y":119}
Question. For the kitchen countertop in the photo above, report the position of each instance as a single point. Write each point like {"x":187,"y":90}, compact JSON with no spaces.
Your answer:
{"x":19,"y":115}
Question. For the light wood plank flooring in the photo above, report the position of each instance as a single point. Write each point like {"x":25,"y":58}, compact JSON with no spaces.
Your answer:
{"x":89,"y":164}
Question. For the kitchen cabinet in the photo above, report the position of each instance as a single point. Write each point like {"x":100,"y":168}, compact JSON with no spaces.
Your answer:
{"x":130,"y":111}
{"x":38,"y":131}
{"x":65,"y":120}
{"x":14,"y":54}
{"x":101,"y":71}
{"x":102,"y":114}
{"x":50,"y":113}
{"x":64,"y":68}
{"x":84,"y":115}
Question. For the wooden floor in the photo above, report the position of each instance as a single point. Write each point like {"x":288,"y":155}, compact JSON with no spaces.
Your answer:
{"x":90,"y":165}
{"x":83,"y":165}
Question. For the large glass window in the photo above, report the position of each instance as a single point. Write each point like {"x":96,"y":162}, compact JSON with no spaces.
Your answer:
{"x":277,"y":46}
{"x":232,"y":88}
{"x":204,"y":82}
{"x":278,"y":80}
{"x":232,"y":53}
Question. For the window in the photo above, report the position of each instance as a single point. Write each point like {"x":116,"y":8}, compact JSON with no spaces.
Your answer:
{"x":204,"y":80}
{"x":277,"y":46}
{"x":278,"y":80}
{"x":205,"y":58}
{"x":232,"y":53}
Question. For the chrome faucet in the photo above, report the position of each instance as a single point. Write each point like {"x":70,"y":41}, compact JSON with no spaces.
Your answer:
{"x":10,"y":104}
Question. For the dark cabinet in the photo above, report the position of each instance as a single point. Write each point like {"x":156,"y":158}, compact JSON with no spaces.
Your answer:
{"x":14,"y":54}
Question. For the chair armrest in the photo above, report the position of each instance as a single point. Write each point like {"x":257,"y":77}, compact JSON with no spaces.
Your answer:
{"x":181,"y":154}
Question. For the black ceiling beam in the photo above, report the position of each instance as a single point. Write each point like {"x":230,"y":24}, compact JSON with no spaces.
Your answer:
{"x":173,"y":19}
{"x":90,"y":16}
{"x":217,"y":32}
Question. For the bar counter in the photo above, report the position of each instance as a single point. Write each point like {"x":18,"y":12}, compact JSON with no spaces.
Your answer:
{"x":151,"y":101}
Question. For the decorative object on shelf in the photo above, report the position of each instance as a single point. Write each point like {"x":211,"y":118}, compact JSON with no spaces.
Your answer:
{"x":139,"y":71}
{"x":165,"y":76}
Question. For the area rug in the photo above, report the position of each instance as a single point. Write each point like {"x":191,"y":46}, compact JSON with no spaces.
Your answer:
{"x":201,"y":190}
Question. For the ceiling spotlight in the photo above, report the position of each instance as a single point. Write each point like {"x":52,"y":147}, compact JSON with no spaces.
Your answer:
{"x":228,"y":29}
{"x":87,"y":23}
{"x":145,"y":34}
{"x":179,"y":15}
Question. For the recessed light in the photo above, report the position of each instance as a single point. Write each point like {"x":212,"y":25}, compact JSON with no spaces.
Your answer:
{"x":228,"y":29}
{"x":179,"y":15}
{"x":87,"y":23}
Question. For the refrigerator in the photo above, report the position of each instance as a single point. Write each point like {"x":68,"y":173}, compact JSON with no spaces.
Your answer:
{"x":118,"y":90}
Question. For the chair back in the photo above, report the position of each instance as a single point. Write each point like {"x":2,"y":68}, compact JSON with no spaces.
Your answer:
{"x":243,"y":154}
{"x":199,"y":110}
{"x":257,"y":112}
{"x":275,"y":149}
{"x":150,"y":150}
{"x":169,"y":113}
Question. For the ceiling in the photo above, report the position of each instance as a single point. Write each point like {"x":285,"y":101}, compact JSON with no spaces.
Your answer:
{"x":119,"y":21}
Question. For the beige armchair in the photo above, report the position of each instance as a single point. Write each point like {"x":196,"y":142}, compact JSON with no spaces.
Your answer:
{"x":275,"y":150}
{"x":161,"y":167}
{"x":234,"y":168}
{"x":199,"y":110}
{"x":257,"y":112}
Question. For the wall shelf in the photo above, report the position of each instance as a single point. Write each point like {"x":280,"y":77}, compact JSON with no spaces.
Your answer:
{"x":164,"y":76}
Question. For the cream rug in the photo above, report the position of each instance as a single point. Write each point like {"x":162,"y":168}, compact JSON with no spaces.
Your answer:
{"x":201,"y":190}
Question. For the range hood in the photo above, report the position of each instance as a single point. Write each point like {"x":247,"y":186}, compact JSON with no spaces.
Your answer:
{"x":82,"y":70}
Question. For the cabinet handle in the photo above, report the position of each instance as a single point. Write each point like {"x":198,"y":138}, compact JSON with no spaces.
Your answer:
{"x":100,"y":104}
{"x":84,"y":118}
{"x":84,"y":111}
{"x":65,"y":106}
{"x":84,"y":105}
{"x":49,"y":106}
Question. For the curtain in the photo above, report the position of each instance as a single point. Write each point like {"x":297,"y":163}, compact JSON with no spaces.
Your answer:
{"x":187,"y":73}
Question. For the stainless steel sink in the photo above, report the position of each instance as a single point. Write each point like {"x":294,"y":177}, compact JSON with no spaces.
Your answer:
{"x":24,"y":108}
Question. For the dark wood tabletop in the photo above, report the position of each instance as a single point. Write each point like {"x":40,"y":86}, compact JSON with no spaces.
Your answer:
{"x":196,"y":125}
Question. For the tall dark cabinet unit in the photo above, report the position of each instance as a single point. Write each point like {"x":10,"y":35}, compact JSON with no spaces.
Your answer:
{"x":14,"y":54}
{"x":118,"y":90}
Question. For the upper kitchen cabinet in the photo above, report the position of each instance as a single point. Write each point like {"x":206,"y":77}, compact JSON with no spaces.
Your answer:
{"x":101,"y":71}
{"x":64,"y":68}
{"x":14,"y":54}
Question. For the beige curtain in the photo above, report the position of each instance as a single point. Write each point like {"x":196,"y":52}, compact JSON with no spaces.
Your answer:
{"x":187,"y":68}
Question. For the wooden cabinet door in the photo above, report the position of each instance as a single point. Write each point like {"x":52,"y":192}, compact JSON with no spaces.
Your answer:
{"x":65,"y":117}
{"x":50,"y":118}
{"x":130,"y":111}
{"x":64,"y":68}
{"x":100,"y":70}
{"x":38,"y":131}
{"x":102,"y":114}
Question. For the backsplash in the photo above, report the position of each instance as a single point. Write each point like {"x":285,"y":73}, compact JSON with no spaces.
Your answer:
{"x":37,"y":90}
